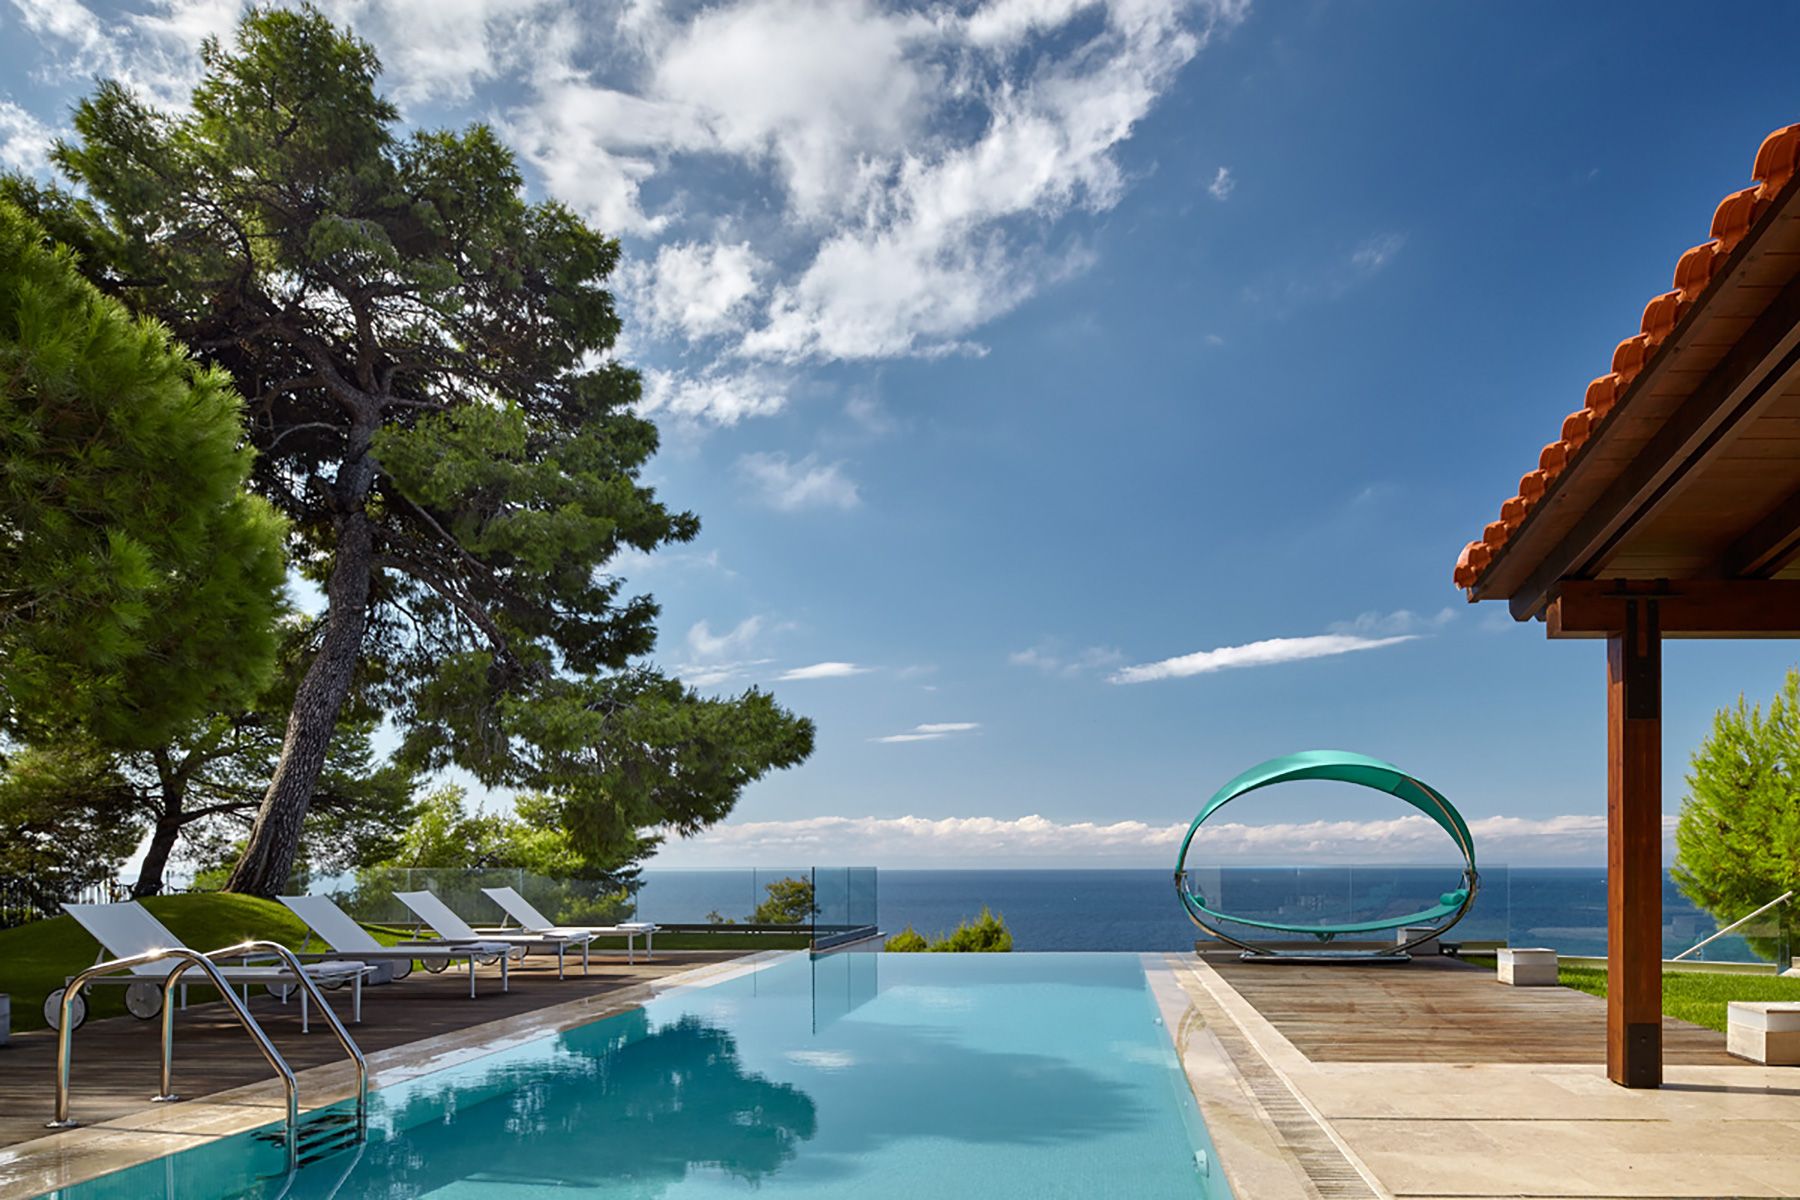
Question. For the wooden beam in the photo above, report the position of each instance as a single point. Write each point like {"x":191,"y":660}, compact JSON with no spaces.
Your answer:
{"x":1697,"y":608}
{"x":1768,"y":546}
{"x":1744,"y":382}
{"x":1634,"y":849}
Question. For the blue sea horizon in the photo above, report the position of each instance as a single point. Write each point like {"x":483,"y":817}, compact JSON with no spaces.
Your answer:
{"x":1135,"y":909}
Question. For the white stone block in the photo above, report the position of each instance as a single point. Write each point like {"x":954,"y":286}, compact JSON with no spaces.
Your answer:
{"x":1424,"y":949}
{"x":1764,"y":1031}
{"x":1528,"y":967}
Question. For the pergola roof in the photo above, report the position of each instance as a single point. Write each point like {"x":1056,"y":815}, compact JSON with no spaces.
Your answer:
{"x":1684,"y":462}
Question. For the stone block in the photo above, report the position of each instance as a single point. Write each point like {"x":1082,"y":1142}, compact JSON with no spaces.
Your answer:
{"x":1528,"y":967}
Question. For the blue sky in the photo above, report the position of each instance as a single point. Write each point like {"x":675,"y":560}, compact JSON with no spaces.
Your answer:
{"x":1007,"y":350}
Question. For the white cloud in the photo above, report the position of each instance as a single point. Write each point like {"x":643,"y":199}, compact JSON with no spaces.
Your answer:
{"x":1222,"y":185}
{"x":697,"y":290}
{"x":712,"y":397}
{"x":1375,"y":624}
{"x":1254,"y":654}
{"x":823,"y":670}
{"x":793,"y":485}
{"x":24,"y":140}
{"x":1376,"y":252}
{"x":704,"y":644}
{"x":1036,"y":839}
{"x":1049,"y":657}
{"x":931,"y":732}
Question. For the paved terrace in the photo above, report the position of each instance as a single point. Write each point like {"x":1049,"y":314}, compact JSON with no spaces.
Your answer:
{"x":117,"y":1061}
{"x":1434,"y":1080}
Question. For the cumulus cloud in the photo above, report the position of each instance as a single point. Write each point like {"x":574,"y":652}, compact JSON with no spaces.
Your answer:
{"x":712,"y":397}
{"x":1254,"y":654}
{"x":790,"y":485}
{"x":695,"y":290}
{"x":823,"y":670}
{"x":1037,"y":839}
{"x":930,"y":732}
{"x":1222,"y":185}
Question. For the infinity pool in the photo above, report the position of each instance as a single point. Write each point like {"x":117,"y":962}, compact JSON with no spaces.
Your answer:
{"x":912,"y":1076}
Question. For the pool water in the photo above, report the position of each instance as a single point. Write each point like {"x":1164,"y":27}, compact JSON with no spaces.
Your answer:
{"x":866,"y":1075}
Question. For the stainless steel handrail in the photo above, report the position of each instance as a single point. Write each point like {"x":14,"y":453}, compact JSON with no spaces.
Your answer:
{"x":1743,"y":920}
{"x":292,"y":963}
{"x":189,"y":958}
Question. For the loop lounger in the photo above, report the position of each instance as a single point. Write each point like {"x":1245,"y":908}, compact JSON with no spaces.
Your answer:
{"x":1343,"y":767}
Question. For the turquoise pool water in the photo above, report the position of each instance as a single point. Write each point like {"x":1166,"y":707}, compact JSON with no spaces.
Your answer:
{"x":866,"y":1075}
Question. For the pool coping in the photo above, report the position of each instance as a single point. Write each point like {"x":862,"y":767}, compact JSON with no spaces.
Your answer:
{"x":1272,"y":1143}
{"x":61,"y":1160}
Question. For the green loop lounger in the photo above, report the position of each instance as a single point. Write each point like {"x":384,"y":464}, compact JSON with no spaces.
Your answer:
{"x":1340,"y":766}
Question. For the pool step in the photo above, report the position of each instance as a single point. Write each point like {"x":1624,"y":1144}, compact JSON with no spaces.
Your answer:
{"x":322,"y":1134}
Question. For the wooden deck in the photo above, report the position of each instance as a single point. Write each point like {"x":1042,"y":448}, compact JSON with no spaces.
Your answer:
{"x":1439,"y":1011}
{"x":117,"y":1063}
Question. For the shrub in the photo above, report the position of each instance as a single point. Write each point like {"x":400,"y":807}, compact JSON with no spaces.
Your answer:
{"x":790,"y":902}
{"x":907,"y":941}
{"x":987,"y":934}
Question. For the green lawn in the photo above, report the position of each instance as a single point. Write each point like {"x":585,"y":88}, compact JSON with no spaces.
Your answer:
{"x":36,"y":958}
{"x":1698,"y":997}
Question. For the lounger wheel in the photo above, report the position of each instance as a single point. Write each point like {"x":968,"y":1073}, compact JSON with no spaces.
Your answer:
{"x":53,"y":1010}
{"x":281,"y":991}
{"x":333,"y":983}
{"x":402,"y":968}
{"x":437,"y":966}
{"x":487,"y":960}
{"x":143,"y":1000}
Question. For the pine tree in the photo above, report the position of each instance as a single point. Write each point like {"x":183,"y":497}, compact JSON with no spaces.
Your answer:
{"x":1738,"y":838}
{"x":139,"y":582}
{"x":427,"y":361}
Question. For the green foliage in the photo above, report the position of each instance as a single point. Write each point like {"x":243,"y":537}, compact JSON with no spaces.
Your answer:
{"x":1738,"y":839}
{"x":987,"y":934}
{"x":788,"y":902}
{"x":66,"y":821}
{"x":139,"y":583}
{"x":426,"y":356}
{"x":36,"y":958}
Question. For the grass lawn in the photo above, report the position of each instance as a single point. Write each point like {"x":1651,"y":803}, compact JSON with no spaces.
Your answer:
{"x":35,"y":959}
{"x":1698,"y":997}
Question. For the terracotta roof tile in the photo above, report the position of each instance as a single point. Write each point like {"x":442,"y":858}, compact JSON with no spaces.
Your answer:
{"x":1603,"y":393}
{"x":1695,"y":270}
{"x":1777,"y":162}
{"x":1661,"y":316}
{"x":1734,"y":217}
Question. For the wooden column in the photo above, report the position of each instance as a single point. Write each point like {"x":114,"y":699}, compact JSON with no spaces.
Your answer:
{"x":1634,"y":849}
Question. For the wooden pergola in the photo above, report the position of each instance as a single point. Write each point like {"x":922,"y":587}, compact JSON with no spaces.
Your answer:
{"x":1669,"y":508}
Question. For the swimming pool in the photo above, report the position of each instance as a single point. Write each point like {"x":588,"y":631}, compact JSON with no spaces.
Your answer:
{"x":870,"y":1075}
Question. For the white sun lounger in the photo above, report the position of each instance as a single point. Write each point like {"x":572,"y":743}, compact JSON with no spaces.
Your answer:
{"x":439,"y":916}
{"x":128,"y":929}
{"x":337,"y":929}
{"x":534,"y":922}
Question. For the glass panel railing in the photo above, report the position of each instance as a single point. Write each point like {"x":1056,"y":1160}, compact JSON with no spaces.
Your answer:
{"x":1359,"y":904}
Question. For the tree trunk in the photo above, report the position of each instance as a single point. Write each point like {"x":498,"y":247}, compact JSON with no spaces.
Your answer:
{"x":156,"y":858}
{"x":275,"y":836}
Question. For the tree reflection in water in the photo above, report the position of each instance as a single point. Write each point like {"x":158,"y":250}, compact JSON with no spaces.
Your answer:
{"x":627,"y":1116}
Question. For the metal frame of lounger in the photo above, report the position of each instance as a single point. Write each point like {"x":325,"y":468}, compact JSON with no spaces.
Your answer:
{"x":335,"y":927}
{"x":532,"y":921}
{"x":431,"y":909}
{"x":129,"y":930}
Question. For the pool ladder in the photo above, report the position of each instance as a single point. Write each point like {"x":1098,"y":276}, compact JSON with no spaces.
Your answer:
{"x":191,"y":959}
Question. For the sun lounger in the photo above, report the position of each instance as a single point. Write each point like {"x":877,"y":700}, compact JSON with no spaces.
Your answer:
{"x":338,"y":930}
{"x":125,"y":930}
{"x":440,"y":917}
{"x":531,"y":921}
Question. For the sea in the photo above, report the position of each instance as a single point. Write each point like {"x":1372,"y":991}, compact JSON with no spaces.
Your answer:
{"x":1563,"y":908}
